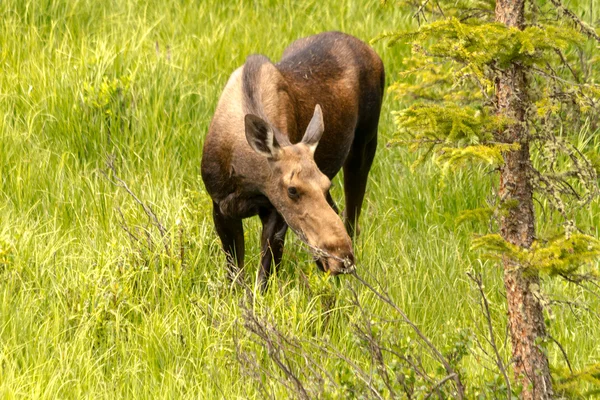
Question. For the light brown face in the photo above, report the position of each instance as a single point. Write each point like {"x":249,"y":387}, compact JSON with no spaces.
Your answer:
{"x":300,"y":197}
{"x":298,"y":190}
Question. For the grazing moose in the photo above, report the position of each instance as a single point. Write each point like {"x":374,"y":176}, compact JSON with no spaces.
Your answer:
{"x":280,"y":133}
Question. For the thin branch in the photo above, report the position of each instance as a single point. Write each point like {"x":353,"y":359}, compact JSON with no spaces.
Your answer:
{"x":572,"y":305}
{"x":125,"y":227}
{"x":434,"y":350}
{"x":565,"y":62}
{"x":558,"y":78}
{"x":362,"y":375}
{"x":410,"y":362}
{"x":374,"y":346}
{"x":585,"y":29}
{"x":564,"y":353}
{"x":117,"y":181}
{"x":420,"y":11}
{"x":499,"y":362}
{"x":579,"y":279}
{"x":252,"y":324}
{"x":440,"y":383}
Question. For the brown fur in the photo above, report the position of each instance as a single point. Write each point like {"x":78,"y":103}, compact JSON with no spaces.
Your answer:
{"x":247,"y":173}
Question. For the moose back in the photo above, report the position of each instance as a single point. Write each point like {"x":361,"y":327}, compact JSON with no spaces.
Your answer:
{"x":280,"y":133}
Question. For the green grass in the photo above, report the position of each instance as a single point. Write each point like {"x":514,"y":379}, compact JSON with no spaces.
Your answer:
{"x":85,"y":312}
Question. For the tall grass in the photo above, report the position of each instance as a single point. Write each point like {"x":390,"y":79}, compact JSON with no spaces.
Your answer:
{"x":88,"y":312}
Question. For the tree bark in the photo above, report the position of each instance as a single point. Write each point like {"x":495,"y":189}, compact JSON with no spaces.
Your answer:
{"x":525,"y":312}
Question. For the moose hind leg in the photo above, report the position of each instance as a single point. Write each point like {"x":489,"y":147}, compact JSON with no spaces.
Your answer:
{"x":356,"y":172}
{"x":231,"y":233}
{"x":272,"y":243}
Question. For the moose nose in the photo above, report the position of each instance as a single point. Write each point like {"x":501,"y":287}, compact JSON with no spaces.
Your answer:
{"x":333,"y":253}
{"x":338,"y":260}
{"x":338,"y":265}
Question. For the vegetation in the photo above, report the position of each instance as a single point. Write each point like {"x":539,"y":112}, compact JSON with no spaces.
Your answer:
{"x":503,"y":58}
{"x":112,"y":281}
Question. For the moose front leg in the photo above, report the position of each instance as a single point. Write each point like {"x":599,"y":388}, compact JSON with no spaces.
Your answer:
{"x":231,"y":233}
{"x":271,"y":243}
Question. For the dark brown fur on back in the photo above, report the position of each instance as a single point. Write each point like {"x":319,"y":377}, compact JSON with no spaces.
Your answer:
{"x":319,"y":68}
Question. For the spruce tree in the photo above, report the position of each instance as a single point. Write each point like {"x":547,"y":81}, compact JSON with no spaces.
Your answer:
{"x":506,"y":84}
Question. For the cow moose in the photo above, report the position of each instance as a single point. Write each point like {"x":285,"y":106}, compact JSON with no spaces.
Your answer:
{"x":279,"y":135}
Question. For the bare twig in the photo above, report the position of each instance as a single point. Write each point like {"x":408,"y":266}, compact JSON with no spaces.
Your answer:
{"x":421,"y":11}
{"x":374,"y":345}
{"x":281,"y":349}
{"x":440,"y":383}
{"x":572,"y":305}
{"x":564,"y":353}
{"x":566,"y":63}
{"x":117,"y":181}
{"x":385,"y":297}
{"x":361,"y":374}
{"x":125,"y":227}
{"x":492,"y":337}
{"x":274,"y":350}
{"x":580,"y":279}
{"x":583,"y":27}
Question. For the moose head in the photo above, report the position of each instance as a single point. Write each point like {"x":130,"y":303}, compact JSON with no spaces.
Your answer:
{"x":298,"y":190}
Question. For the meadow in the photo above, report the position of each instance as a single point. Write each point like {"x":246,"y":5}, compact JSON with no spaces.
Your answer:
{"x":97,"y":302}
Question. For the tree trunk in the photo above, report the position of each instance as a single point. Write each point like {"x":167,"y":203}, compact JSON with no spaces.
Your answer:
{"x":526,"y":318}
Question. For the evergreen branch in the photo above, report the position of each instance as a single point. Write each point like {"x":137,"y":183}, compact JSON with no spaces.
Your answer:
{"x":561,"y":256}
{"x":478,"y":214}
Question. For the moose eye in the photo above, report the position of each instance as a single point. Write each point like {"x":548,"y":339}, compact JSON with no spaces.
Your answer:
{"x":292,"y":192}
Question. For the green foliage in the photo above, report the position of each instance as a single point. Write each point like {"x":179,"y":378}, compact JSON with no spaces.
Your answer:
{"x":456,"y":63}
{"x":450,"y":115}
{"x":108,"y":95}
{"x":491,"y":155}
{"x":569,"y":384}
{"x":565,"y":255}
{"x":494,"y":246}
{"x":481,"y":215}
{"x":560,"y":256}
{"x":423,"y":78}
{"x":88,"y":312}
{"x":485,"y":45}
{"x":441,"y":124}
{"x":457,"y":135}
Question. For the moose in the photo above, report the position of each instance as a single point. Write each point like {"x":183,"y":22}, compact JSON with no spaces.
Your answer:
{"x":279,"y":135}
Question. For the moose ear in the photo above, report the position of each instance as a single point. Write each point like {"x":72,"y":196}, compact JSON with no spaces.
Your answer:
{"x":259,"y":135}
{"x":315,"y":130}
